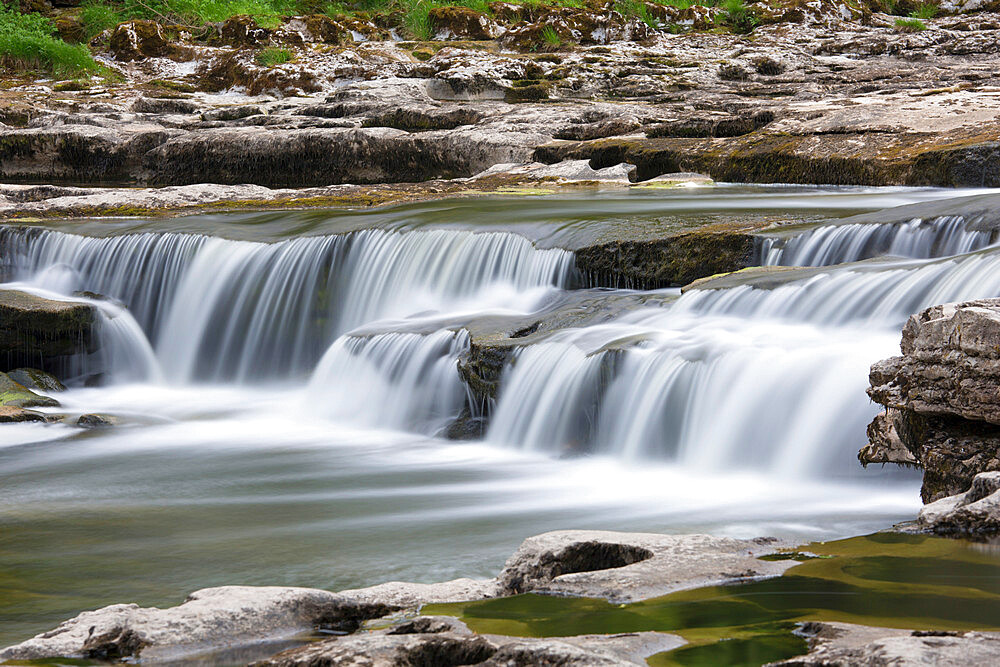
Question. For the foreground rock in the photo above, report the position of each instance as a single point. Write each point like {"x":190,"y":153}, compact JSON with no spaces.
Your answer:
{"x":848,"y":644}
{"x":42,"y":333}
{"x":940,"y":397}
{"x":210,"y":619}
{"x":616,"y":566}
{"x":626,"y":567}
{"x":445,"y":641}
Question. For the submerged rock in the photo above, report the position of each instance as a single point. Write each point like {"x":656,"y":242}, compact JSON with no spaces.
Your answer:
{"x":97,"y":421}
{"x":209,"y":619}
{"x":941,"y":397}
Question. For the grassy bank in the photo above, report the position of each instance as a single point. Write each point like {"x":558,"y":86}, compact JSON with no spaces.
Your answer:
{"x":28,"y":45}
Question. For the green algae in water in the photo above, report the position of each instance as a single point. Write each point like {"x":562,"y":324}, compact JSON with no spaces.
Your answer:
{"x":889,"y":580}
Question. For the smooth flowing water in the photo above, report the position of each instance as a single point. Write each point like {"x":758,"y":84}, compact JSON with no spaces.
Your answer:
{"x":284,"y":378}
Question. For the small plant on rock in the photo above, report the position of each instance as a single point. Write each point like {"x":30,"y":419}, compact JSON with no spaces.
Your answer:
{"x":550,"y":37}
{"x":927,"y":10}
{"x":271,"y":56}
{"x":910,"y":25}
{"x":738,"y":17}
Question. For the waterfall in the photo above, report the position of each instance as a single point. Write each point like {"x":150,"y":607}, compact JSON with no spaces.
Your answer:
{"x":882,"y":296}
{"x":218,"y":309}
{"x":836,"y":244}
{"x":707,"y":392}
{"x":396,"y":380}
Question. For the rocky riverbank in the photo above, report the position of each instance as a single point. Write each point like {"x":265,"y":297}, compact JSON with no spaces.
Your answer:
{"x":385,"y":624}
{"x":831,"y":93}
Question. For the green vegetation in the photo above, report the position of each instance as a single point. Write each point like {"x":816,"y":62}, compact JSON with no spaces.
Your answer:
{"x":910,"y":25}
{"x":551,"y":37}
{"x":636,"y":9}
{"x":28,"y":44}
{"x":925,"y":11}
{"x":271,"y":56}
{"x":738,"y":17}
{"x":887,"y":580}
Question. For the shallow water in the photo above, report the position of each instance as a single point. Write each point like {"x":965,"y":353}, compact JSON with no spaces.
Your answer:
{"x":266,"y":447}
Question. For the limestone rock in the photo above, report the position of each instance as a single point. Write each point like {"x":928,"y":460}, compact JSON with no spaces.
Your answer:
{"x":974,"y":514}
{"x":941,"y":396}
{"x":409,"y":595}
{"x":139,"y":39}
{"x":625,"y":567}
{"x":42,"y":332}
{"x":462,"y":23}
{"x":242,"y":30}
{"x":212,"y":618}
{"x":848,"y":644}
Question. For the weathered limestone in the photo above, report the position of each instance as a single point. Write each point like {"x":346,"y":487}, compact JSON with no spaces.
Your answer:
{"x":626,"y":567}
{"x":42,"y":333}
{"x":941,"y":397}
{"x":848,"y":644}
{"x":212,"y":618}
{"x":974,"y":514}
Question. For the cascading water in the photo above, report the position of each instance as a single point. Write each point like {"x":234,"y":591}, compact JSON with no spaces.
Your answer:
{"x":219,"y":310}
{"x":837,"y":244}
{"x":413,"y":377}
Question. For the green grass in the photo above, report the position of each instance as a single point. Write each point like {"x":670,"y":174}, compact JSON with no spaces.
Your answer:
{"x":927,"y":10}
{"x":910,"y":25}
{"x":28,"y":44}
{"x":636,"y":9}
{"x":551,"y":37}
{"x":272,"y":56}
{"x":738,"y":17}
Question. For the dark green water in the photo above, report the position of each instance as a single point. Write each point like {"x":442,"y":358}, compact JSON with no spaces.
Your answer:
{"x":888,"y":580}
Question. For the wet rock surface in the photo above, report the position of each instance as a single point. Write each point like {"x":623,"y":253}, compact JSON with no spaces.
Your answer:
{"x":42,"y":333}
{"x":940,"y":397}
{"x":242,"y":621}
{"x":212,"y":618}
{"x":974,"y":514}
{"x":848,"y":644}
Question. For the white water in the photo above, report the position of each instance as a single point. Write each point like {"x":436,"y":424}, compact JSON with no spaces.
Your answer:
{"x":224,"y":310}
{"x":837,"y":244}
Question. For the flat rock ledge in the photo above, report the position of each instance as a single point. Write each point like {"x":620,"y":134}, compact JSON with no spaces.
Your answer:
{"x":845,"y":644}
{"x":940,"y":397}
{"x":615,"y":566}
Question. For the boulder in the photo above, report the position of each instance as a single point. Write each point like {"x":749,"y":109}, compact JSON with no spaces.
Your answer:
{"x":137,"y":40}
{"x":10,"y":414}
{"x":17,"y":395}
{"x":941,"y":397}
{"x":43,"y":333}
{"x":242,"y":30}
{"x":626,"y":567}
{"x":974,"y":514}
{"x":94,"y":421}
{"x":209,"y":619}
{"x":36,"y":380}
{"x":462,"y":23}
